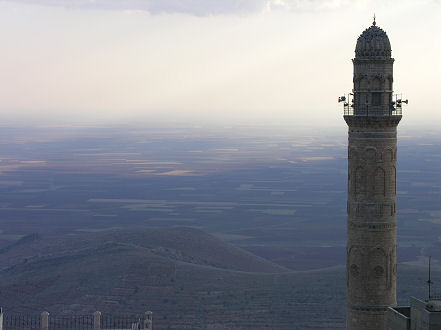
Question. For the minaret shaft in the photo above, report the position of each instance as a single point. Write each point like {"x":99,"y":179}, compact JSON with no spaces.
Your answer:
{"x":371,"y":245}
{"x":372,"y":169}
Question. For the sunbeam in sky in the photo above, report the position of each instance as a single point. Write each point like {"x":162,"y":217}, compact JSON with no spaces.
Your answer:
{"x":243,"y":60}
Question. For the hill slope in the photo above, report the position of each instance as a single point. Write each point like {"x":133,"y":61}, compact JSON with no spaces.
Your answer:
{"x":189,"y":279}
{"x":178,"y":244}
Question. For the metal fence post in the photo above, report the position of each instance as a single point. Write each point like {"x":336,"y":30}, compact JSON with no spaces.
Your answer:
{"x":1,"y":318}
{"x":45,"y":321}
{"x":97,"y":320}
{"x":148,"y":322}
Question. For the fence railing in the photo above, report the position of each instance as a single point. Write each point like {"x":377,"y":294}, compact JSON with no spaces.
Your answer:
{"x":372,"y":111}
{"x":95,"y":321}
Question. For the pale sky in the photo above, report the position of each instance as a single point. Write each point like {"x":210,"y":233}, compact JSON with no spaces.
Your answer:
{"x":111,"y":60}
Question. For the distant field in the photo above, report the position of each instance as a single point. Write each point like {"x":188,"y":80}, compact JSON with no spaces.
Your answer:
{"x":279,"y":192}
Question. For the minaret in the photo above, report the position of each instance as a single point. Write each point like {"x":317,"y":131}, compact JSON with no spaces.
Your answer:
{"x":372,"y":117}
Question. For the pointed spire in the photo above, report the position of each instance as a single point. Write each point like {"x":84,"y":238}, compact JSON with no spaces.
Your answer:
{"x":374,"y":23}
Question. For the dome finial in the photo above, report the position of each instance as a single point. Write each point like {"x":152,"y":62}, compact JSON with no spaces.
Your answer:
{"x":373,"y":42}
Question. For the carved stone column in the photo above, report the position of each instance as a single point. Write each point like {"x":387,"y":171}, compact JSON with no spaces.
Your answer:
{"x":372,"y":118}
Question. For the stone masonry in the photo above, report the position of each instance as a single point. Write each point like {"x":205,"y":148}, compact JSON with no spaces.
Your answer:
{"x":372,"y":168}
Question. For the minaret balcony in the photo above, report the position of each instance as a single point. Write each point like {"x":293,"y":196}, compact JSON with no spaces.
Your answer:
{"x":372,"y":111}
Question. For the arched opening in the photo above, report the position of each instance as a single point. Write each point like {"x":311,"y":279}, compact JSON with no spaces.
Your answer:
{"x":360,"y":181}
{"x":363,"y":84}
{"x":388,"y":84}
{"x":376,"y":94}
{"x":388,"y":155}
{"x":380,"y":182}
{"x":376,"y":84}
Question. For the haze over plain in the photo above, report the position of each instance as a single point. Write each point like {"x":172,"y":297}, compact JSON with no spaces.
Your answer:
{"x":278,"y":60}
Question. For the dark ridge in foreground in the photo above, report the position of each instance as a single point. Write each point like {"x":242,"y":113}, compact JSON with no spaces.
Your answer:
{"x":189,"y":279}
{"x":22,"y":241}
{"x":174,"y":245}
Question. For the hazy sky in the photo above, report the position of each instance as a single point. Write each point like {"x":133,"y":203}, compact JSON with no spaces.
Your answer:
{"x":276,"y":60}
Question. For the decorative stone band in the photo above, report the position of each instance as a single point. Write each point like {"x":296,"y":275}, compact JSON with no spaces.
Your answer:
{"x":372,"y":226}
{"x":373,"y":139}
{"x":371,"y":210}
{"x":375,"y":309}
{"x":370,"y":60}
{"x":366,"y":134}
{"x":372,"y":121}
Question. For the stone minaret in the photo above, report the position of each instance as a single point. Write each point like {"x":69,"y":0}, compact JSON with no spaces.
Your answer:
{"x":372,"y":118}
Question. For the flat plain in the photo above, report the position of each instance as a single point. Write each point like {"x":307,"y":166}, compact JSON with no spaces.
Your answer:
{"x":276,"y":192}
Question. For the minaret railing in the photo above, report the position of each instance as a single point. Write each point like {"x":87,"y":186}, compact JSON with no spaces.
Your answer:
{"x":351,"y":108}
{"x":372,"y":111}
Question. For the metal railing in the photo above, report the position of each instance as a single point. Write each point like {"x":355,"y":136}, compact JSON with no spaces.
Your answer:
{"x":96,"y":321}
{"x":66,"y":322}
{"x":352,"y":108}
{"x":372,"y":111}
{"x":19,"y":321}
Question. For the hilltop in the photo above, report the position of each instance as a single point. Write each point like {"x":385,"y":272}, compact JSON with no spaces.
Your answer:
{"x":188,"y":278}
{"x":170,"y":245}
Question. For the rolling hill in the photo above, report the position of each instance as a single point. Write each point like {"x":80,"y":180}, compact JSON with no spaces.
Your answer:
{"x":188,"y":278}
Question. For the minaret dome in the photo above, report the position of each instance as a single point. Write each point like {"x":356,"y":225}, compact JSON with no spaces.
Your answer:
{"x":373,"y":43}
